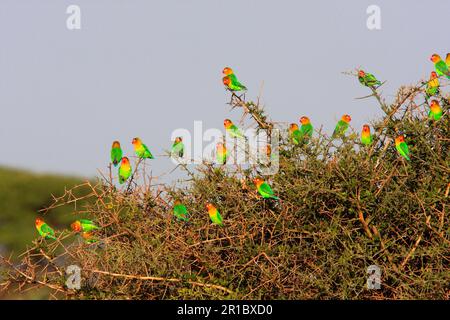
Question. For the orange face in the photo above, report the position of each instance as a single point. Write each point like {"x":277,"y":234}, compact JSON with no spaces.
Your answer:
{"x":361,"y":73}
{"x":293,"y":126}
{"x":178,"y":139}
{"x":433,"y":74}
{"x":227,"y":122}
{"x":401,"y":139}
{"x":76,"y":226}
{"x":116,"y":144}
{"x":366,"y":128}
{"x":435,"y":58}
{"x":209,"y":206}
{"x":125,"y":161}
{"x":304,"y":120}
{"x":257,"y":181}
{"x":39,"y":221}
{"x":226,"y":81}
{"x":346,"y":118}
{"x":176,"y":202}
{"x":135,"y":140}
{"x":227,"y":71}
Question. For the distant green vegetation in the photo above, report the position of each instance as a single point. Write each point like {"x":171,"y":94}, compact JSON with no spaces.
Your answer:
{"x":22,"y":195}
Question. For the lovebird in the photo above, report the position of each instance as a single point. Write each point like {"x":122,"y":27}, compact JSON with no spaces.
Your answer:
{"x":214,"y":214}
{"x":264,"y":189}
{"x":232,"y":129}
{"x":435,"y":111}
{"x":432,"y":85}
{"x":44,"y":229}
{"x":83,"y":225}
{"x":124,"y":170}
{"x":178,"y":147}
{"x":221,"y":153}
{"x":367,"y":79}
{"x":180,"y":211}
{"x":447,"y":60}
{"x":141,"y":149}
{"x":306,"y":129}
{"x":402,"y":147}
{"x":366,"y":137}
{"x":342,"y":126}
{"x":294,"y":133}
{"x":441,"y":67}
{"x":230,"y":80}
{"x":116,"y":153}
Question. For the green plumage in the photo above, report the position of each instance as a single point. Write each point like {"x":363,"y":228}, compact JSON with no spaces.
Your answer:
{"x":216,"y":218}
{"x":442,"y":68}
{"x":235,"y":85}
{"x":403,"y":150}
{"x":367,"y":140}
{"x":435,"y":115}
{"x":340,"y":129}
{"x":296,"y":136}
{"x":235,"y":132}
{"x":87,"y":225}
{"x":369,"y":80}
{"x":266,"y":191}
{"x":180,"y":211}
{"x":143,"y":152}
{"x":46,"y":231}
{"x":124,"y":173}
{"x":306,"y":131}
{"x":116,"y":155}
{"x":178,"y":149}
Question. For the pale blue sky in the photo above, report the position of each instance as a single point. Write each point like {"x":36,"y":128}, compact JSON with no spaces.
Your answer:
{"x":144,"y":68}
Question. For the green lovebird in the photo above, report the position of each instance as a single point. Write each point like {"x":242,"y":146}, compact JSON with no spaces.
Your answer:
{"x":232,"y":129}
{"x":294,"y":133}
{"x":230,"y":80}
{"x":432,"y":85}
{"x":116,"y":153}
{"x":214,"y":214}
{"x":264,"y":189}
{"x":178,"y":147}
{"x":342,"y":126}
{"x":141,"y":149}
{"x":366,"y":137}
{"x":88,"y":237}
{"x":306,"y":128}
{"x":367,"y":79}
{"x":180,"y":211}
{"x":402,"y":147}
{"x":124,"y":170}
{"x":83,"y":225}
{"x":435,"y":111}
{"x":44,"y":229}
{"x":221,"y":153}
{"x":441,"y":67}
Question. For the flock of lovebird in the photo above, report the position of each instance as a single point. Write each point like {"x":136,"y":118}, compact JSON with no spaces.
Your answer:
{"x":297,"y":136}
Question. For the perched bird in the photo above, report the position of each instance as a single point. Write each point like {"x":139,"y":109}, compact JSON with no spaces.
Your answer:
{"x":435,"y":111}
{"x":447,"y":60}
{"x":124,"y":170}
{"x":232,"y":129}
{"x":441,"y":67}
{"x":178,"y":147}
{"x":402,"y":147}
{"x":221,"y":153}
{"x":366,"y":137}
{"x":231,"y":82}
{"x":264,"y":189}
{"x":368,"y":79}
{"x":83,"y":225}
{"x":306,"y":128}
{"x":295,"y":133}
{"x":141,"y":149}
{"x":214,"y":214}
{"x":342,"y":126}
{"x":180,"y":211}
{"x":44,"y":229}
{"x":116,"y":153}
{"x":432,"y":85}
